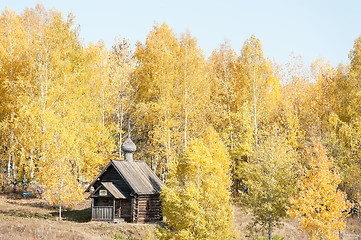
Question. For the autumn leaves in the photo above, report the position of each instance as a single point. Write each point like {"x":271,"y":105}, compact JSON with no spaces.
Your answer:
{"x":320,"y":206}
{"x":233,"y":124}
{"x":51,"y":116}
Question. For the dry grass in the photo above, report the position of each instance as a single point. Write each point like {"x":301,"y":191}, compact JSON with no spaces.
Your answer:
{"x":33,"y":218}
{"x":288,"y":230}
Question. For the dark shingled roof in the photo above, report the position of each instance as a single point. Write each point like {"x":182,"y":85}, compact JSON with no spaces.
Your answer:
{"x":113,"y":190}
{"x":137,"y":174}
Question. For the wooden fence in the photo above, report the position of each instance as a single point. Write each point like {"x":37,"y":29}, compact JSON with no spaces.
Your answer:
{"x":342,"y":236}
{"x":102,"y":213}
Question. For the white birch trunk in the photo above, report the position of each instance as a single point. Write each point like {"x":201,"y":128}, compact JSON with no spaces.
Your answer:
{"x":10,"y":156}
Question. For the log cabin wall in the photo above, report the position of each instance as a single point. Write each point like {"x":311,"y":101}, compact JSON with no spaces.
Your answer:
{"x":147,"y":209}
{"x":154,"y":211}
{"x":126,"y":210}
{"x":134,"y":209}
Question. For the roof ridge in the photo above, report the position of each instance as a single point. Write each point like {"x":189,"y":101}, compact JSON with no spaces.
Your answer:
{"x":136,"y":177}
{"x":120,"y":160}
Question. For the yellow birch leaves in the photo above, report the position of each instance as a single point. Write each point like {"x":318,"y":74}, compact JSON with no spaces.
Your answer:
{"x":196,"y":198}
{"x":54,"y":121}
{"x":320,"y":206}
{"x":171,"y":93}
{"x":270,"y":178}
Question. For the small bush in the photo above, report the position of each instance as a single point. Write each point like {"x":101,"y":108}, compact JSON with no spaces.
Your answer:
{"x":117,"y":235}
{"x":274,"y":238}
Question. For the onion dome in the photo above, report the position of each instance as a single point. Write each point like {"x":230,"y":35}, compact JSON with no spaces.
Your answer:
{"x":128,"y":147}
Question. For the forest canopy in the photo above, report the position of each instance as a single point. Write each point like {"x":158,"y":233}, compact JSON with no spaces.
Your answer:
{"x":237,"y":118}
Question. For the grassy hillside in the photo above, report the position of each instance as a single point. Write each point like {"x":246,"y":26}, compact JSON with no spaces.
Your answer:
{"x":33,"y":218}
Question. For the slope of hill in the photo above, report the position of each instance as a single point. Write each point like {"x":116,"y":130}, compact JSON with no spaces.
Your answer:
{"x":32,"y":218}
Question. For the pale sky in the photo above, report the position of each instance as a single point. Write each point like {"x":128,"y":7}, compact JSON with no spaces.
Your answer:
{"x":310,"y":28}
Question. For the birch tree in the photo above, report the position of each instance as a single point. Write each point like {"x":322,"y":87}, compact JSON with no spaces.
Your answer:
{"x":196,"y":198}
{"x":230,"y":112}
{"x":56,"y":122}
{"x":12,"y":60}
{"x":155,"y":79}
{"x":270,"y":178}
{"x":320,"y":207}
{"x":261,"y":86}
{"x":171,"y":88}
{"x":122,"y":65}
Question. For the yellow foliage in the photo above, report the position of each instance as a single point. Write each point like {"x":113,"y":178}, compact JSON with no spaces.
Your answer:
{"x":54,"y":129}
{"x":63,"y":104}
{"x":269,"y":179}
{"x":230,"y":109}
{"x":320,"y":207}
{"x":171,"y":93}
{"x":196,"y":198}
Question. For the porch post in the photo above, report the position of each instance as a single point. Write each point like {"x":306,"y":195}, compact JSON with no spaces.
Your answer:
{"x":113,"y":209}
{"x":92,"y":209}
{"x":132,"y":217}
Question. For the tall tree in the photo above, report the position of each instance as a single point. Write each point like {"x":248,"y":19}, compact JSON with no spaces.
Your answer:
{"x":261,"y":85}
{"x":155,"y":78}
{"x":120,"y":90}
{"x":12,"y":60}
{"x":231,"y":114}
{"x":193,"y":88}
{"x":344,"y":122}
{"x":196,"y":200}
{"x":230,"y":110}
{"x":320,"y":207}
{"x":270,"y":181}
{"x":295,"y":89}
{"x":55,"y":121}
{"x":171,"y":88}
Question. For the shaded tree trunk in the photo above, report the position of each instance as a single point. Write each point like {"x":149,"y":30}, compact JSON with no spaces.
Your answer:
{"x":270,"y":227}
